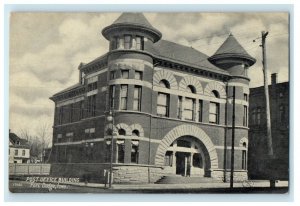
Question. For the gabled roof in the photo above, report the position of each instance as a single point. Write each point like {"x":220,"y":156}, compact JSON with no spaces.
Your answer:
{"x":182,"y":54}
{"x":17,"y":141}
{"x":232,"y":48}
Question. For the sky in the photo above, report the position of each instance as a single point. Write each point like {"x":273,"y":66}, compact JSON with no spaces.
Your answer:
{"x":46,"y":49}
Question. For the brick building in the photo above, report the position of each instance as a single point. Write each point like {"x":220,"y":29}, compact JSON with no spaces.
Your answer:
{"x":260,"y":165}
{"x":171,"y":104}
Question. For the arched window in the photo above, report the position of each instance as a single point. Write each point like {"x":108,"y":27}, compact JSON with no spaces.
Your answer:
{"x":135,"y":151}
{"x":244,"y":156}
{"x":135,"y":133}
{"x":122,"y":132}
{"x":215,"y":93}
{"x":164,"y":83}
{"x":214,"y":109}
{"x":191,"y":88}
{"x":163,"y":100}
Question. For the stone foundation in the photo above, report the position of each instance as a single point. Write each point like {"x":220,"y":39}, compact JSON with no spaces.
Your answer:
{"x":238,"y":175}
{"x":136,"y":174}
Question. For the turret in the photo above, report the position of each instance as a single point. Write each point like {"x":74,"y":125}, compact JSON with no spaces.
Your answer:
{"x":231,"y":56}
{"x":130,"y":31}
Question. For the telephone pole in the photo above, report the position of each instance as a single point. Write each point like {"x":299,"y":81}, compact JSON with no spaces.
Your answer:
{"x":268,"y":116}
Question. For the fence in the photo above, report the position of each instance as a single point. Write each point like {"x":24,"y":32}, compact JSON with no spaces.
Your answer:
{"x":29,"y":169}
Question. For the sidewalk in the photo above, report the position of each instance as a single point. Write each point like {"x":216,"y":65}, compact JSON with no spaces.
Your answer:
{"x":256,"y":183}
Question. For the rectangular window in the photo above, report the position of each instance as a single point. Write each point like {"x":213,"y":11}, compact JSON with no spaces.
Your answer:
{"x":138,"y":75}
{"x":92,"y":86}
{"x":139,"y":43}
{"x":134,"y":151}
{"x":89,"y":106}
{"x":120,"y":151}
{"x":245,"y":117}
{"x":246,"y":97}
{"x":137,"y":98}
{"x":123,"y":96}
{"x":117,"y":42}
{"x":112,"y":91}
{"x":125,"y":74}
{"x":16,"y":152}
{"x":214,"y":113}
{"x":258,"y":116}
{"x":60,"y":114}
{"x":281,"y":114}
{"x":23,"y":152}
{"x":244,"y":159}
{"x":189,"y":106}
{"x":163,"y":104}
{"x":253,"y":119}
{"x":71,"y":113}
{"x":200,"y":110}
{"x":179,"y":107}
{"x":81,"y":109}
{"x":168,"y":158}
{"x":127,"y":42}
{"x":112,"y":75}
{"x":93,"y":105}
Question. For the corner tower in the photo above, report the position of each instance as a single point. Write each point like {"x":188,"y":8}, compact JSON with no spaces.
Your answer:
{"x":130,"y":31}
{"x":231,"y":56}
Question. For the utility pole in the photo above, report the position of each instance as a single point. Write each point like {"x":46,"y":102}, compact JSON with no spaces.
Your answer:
{"x":268,"y":115}
{"x":232,"y":140}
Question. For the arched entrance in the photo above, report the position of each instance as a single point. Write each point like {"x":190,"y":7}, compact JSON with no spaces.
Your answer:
{"x":186,"y":156}
{"x":187,"y":150}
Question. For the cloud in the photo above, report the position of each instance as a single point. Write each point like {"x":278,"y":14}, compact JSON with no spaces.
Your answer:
{"x":46,"y":49}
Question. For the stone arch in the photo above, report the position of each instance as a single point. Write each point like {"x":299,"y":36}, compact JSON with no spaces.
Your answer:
{"x":139,"y":128}
{"x":109,"y":126}
{"x":188,"y":80}
{"x":125,"y":127}
{"x":242,"y":141}
{"x":211,"y":86}
{"x":187,"y":130}
{"x":162,"y":74}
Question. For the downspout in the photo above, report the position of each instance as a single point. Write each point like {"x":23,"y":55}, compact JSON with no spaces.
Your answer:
{"x":150,"y":123}
{"x":225,"y":135}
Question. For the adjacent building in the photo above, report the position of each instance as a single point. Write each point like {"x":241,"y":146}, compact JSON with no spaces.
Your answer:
{"x":171,"y":107}
{"x":260,"y":165}
{"x":19,"y":149}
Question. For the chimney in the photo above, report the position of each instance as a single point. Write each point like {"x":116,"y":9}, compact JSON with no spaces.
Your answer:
{"x":274,"y":78}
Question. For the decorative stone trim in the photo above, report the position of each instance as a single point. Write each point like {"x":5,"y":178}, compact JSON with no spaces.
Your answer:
{"x":189,"y":80}
{"x":214,"y":86}
{"x":125,"y":127}
{"x":137,"y":127}
{"x":184,"y":130}
{"x":162,"y":74}
{"x":243,"y":140}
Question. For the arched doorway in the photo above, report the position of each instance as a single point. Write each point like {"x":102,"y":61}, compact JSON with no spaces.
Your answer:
{"x":205,"y":149}
{"x":186,"y":156}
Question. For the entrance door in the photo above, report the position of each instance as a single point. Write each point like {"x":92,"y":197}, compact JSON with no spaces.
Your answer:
{"x":182,"y":163}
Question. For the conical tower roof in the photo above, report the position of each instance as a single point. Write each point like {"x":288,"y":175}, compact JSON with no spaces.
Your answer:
{"x":132,"y":21}
{"x":231,"y":48}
